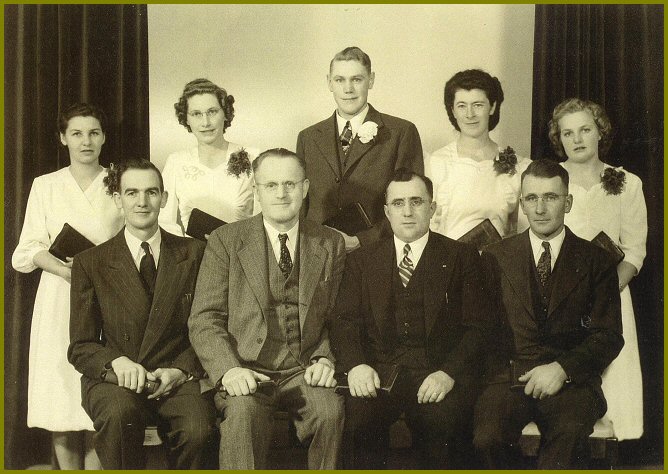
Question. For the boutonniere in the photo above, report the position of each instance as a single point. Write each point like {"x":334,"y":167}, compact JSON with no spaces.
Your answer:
{"x":367,"y":131}
{"x":613,"y":180}
{"x":239,"y":163}
{"x":505,"y":162}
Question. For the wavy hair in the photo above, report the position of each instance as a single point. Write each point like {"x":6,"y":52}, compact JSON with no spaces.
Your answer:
{"x":204,"y":86}
{"x":474,"y":79}
{"x":573,"y":105}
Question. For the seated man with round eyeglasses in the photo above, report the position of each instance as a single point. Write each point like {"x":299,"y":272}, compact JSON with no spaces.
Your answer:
{"x":414,"y":301}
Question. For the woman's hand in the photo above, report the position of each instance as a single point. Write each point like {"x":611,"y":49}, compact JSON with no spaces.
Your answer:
{"x":625,"y":271}
{"x":51,"y":264}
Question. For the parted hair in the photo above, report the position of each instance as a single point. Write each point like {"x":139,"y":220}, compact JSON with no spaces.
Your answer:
{"x":204,"y":86}
{"x":474,"y":79}
{"x":113,"y":179}
{"x":81,"y":109}
{"x":352,"y":53}
{"x":544,"y":168}
{"x":403,"y":175}
{"x":573,"y":105}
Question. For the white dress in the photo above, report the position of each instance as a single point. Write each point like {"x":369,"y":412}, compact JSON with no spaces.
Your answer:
{"x":190,"y":184}
{"x":468,"y":191}
{"x":54,"y":386}
{"x":624,"y":218}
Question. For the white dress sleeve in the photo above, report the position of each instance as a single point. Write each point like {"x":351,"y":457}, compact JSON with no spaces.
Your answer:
{"x":168,"y":218}
{"x":435,"y":171}
{"x":34,"y":235}
{"x":633,"y":230}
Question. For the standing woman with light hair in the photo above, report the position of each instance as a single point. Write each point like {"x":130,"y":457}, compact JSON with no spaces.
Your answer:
{"x":608,"y":199}
{"x":214,"y":176}
{"x":475,"y":179}
{"x":75,"y":195}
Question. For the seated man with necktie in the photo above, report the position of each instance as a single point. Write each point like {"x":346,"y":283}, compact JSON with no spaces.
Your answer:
{"x":264,"y":293}
{"x":129,"y":323}
{"x":558,"y":328}
{"x":414,"y":300}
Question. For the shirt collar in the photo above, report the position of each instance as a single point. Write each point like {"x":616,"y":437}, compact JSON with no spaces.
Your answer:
{"x":134,"y":244}
{"x":355,"y":122}
{"x":291,"y":243}
{"x":555,"y":245}
{"x":417,"y":248}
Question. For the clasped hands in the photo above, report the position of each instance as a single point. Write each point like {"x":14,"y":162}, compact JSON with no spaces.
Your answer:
{"x":544,"y":380}
{"x":133,"y":376}
{"x":242,"y":381}
{"x":364,"y":382}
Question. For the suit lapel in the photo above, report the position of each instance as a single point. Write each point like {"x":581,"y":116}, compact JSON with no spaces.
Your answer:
{"x":567,"y":272}
{"x":329,"y":145}
{"x":381,"y":268}
{"x":125,"y":280}
{"x":439,"y":263}
{"x":311,"y":262}
{"x":253,"y":260}
{"x":359,"y":149}
{"x":517,"y":256}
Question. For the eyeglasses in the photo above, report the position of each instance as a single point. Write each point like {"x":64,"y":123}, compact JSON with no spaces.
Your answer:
{"x":272,"y":186}
{"x":211,"y":113}
{"x":547,"y":198}
{"x":414,"y":203}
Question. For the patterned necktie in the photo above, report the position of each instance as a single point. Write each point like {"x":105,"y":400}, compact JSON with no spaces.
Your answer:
{"x":147,"y":268}
{"x":406,"y":266}
{"x":346,"y":138}
{"x":544,"y":266}
{"x":285,"y":263}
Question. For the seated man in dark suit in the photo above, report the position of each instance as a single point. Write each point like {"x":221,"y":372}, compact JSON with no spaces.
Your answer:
{"x":559,"y":322}
{"x":414,"y":300}
{"x":352,"y":154}
{"x":129,"y":322}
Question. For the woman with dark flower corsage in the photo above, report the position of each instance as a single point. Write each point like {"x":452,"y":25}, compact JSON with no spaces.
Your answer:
{"x":611,"y":200}
{"x":214,"y":176}
{"x":473,"y":177}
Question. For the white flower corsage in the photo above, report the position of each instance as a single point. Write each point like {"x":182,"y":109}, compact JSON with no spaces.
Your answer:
{"x":367,"y":131}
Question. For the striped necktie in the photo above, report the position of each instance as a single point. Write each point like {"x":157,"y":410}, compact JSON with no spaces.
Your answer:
{"x":406,"y":266}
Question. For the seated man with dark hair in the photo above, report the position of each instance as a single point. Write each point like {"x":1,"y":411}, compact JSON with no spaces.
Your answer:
{"x":559,"y":326}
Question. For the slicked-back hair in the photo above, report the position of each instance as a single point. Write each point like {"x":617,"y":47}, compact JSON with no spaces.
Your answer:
{"x":404,"y":175}
{"x":279,"y":153}
{"x":352,"y":53}
{"x":113,"y":179}
{"x":474,"y":79}
{"x":544,"y":168}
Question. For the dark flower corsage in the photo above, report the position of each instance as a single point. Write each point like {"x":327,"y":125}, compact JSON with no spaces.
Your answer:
{"x":506,"y":162}
{"x":613,"y":180}
{"x":239,"y":163}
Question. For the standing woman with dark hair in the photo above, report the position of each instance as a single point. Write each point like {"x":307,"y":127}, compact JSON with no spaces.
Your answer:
{"x":611,"y":200}
{"x":214,"y":176}
{"x":74,"y":195}
{"x":473,"y":178}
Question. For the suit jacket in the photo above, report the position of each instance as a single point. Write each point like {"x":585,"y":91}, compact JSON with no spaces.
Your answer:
{"x":108,"y":297}
{"x":369,"y":168}
{"x":228,"y":324}
{"x":457,"y":314}
{"x":583,"y":327}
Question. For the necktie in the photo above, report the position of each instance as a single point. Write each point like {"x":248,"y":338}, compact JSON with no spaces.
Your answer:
{"x":346,"y":138}
{"x":285,"y":263}
{"x":406,"y":266}
{"x":147,"y":268}
{"x":544,"y":266}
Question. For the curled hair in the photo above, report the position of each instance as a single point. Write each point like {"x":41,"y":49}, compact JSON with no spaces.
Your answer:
{"x":573,"y":105}
{"x":544,"y":168}
{"x":280,"y":153}
{"x":114,"y":173}
{"x":81,"y":109}
{"x":352,"y":53}
{"x":199,"y":87}
{"x":474,"y":79}
{"x":403,"y":175}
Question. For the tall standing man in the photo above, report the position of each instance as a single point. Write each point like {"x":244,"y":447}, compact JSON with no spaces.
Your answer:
{"x":129,"y":322}
{"x":559,"y":326}
{"x":353,"y":153}
{"x":264,"y":291}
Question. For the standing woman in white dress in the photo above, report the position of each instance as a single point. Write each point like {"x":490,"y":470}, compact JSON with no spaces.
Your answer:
{"x":473,"y":177}
{"x":74,"y":195}
{"x":611,"y":200}
{"x":214,"y":176}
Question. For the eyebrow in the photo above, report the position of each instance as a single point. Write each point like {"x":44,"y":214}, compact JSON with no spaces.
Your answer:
{"x":154,"y":188}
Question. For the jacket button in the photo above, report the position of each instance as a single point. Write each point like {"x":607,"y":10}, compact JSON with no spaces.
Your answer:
{"x":337,"y":180}
{"x":126,"y":337}
{"x":259,"y":340}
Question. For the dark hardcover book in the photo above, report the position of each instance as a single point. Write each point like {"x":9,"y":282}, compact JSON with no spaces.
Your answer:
{"x":201,"y":224}
{"x":68,"y":243}
{"x":386,"y":372}
{"x":605,"y":242}
{"x":149,"y":386}
{"x":351,"y":220}
{"x":519,"y":368}
{"x":481,"y":235}
{"x":265,"y":386}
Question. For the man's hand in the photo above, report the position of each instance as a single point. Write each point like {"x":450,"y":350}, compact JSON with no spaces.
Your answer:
{"x":320,"y":374}
{"x":129,"y":374}
{"x":240,"y":381}
{"x":435,"y":387}
{"x":169,"y":379}
{"x":544,"y":381}
{"x":363,"y":381}
{"x":351,"y":241}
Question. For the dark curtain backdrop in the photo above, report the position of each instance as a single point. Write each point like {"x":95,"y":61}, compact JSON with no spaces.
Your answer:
{"x":613,"y":55}
{"x":56,"y":55}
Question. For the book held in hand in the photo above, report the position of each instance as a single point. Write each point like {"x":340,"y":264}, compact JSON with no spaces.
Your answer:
{"x":351,"y":220}
{"x":150,"y":386}
{"x":605,"y":242}
{"x":386,"y":372}
{"x":201,"y":224}
{"x":481,"y":235}
{"x":519,"y":368}
{"x":68,"y":243}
